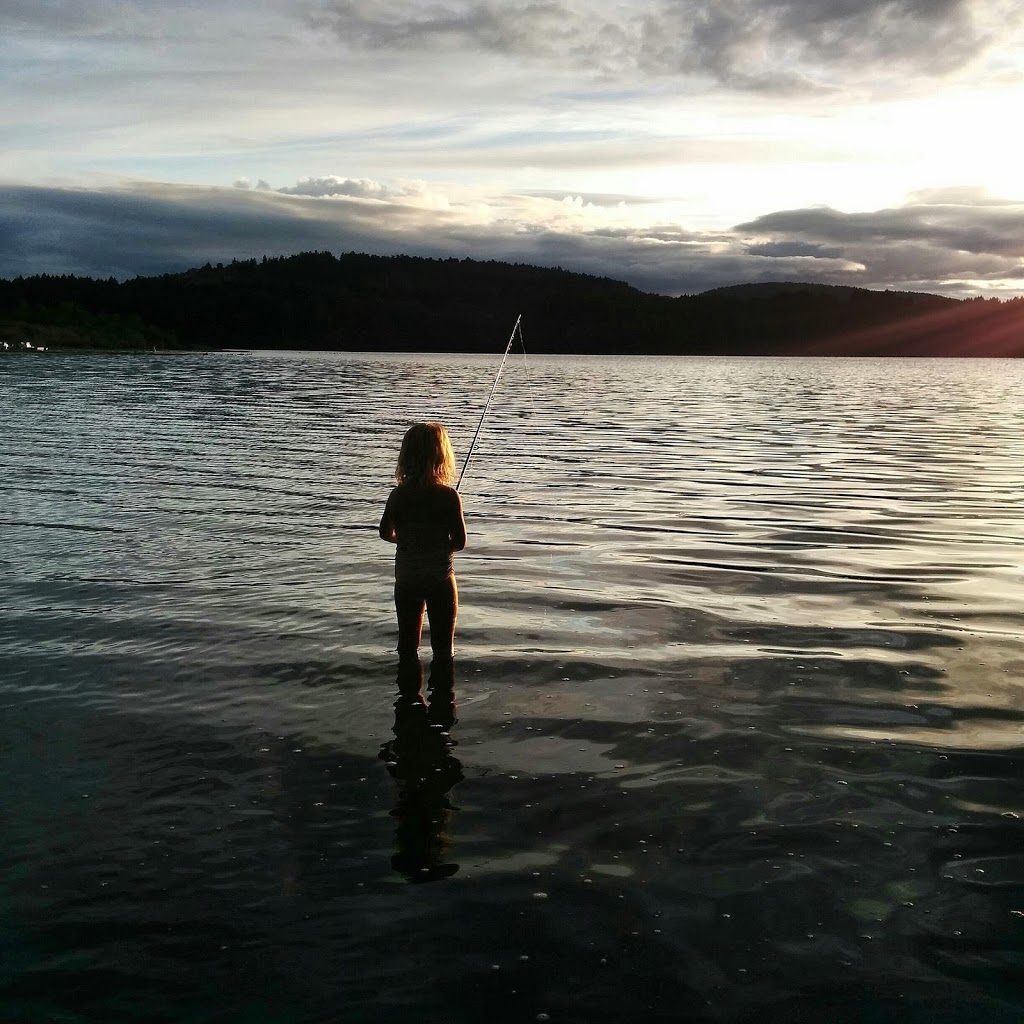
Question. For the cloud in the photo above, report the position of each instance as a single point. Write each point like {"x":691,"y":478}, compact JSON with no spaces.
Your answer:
{"x":762,"y":45}
{"x":126,"y":18}
{"x":789,"y":247}
{"x":149,"y":228}
{"x":789,"y":43}
{"x":938,"y":241}
{"x":593,"y":198}
{"x":964,"y":221}
{"x":547,"y":28}
{"x":355,"y":188}
{"x":69,"y":17}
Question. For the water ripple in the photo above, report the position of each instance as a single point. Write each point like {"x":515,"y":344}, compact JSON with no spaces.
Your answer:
{"x":739,"y":732}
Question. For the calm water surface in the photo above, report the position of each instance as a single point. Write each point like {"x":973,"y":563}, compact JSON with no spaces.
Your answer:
{"x":740,"y":721}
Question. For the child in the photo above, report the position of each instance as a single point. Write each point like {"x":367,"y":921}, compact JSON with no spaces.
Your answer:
{"x":423,"y":516}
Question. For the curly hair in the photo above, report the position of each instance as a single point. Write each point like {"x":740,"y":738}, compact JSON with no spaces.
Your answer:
{"x":426,"y":456}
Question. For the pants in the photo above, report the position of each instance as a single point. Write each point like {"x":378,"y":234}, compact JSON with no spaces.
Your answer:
{"x":440,"y":600}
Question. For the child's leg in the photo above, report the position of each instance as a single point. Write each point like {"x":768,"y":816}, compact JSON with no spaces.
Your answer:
{"x":409,"y":606}
{"x":441,"y":685}
{"x":442,"y":610}
{"x":410,"y":678}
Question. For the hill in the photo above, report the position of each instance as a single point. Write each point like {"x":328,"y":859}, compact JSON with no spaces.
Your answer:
{"x":357,"y":302}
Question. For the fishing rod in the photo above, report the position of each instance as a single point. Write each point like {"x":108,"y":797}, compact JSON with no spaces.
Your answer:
{"x":487,"y":404}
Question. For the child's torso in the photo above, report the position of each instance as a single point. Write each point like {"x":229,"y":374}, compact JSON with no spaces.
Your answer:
{"x":421,"y":515}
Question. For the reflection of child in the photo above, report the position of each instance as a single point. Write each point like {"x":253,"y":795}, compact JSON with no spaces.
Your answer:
{"x":423,"y":516}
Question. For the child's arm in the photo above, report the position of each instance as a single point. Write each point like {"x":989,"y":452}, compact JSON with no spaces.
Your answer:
{"x":457,"y":530}
{"x":387,"y":525}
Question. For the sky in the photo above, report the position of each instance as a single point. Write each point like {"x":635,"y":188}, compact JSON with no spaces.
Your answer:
{"x":678,"y":145}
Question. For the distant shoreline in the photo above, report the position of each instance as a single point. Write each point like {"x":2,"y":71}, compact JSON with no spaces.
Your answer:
{"x":316,"y":302}
{"x":135,"y":352}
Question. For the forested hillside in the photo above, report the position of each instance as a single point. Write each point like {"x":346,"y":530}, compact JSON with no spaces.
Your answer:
{"x":402,"y":303}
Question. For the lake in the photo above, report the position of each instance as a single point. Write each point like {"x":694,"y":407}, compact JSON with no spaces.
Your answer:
{"x":740,"y":716}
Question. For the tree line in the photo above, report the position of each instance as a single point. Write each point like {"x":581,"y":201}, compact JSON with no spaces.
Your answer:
{"x":358,"y":302}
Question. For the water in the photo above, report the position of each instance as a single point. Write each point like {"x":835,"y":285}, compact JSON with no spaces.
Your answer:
{"x":740,"y":721}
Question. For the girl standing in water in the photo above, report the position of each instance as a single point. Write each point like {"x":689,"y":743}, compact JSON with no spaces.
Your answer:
{"x":423,"y":517}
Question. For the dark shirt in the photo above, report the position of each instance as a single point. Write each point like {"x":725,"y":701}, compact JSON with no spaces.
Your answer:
{"x":426,"y":522}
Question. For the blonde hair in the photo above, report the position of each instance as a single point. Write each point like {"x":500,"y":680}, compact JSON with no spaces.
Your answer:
{"x":426,"y":456}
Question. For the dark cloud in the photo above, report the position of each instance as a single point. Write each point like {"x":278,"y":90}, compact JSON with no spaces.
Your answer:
{"x":354,"y":188}
{"x":159,"y":228}
{"x":961,"y":221}
{"x":772,"y":45}
{"x":790,"y":43}
{"x":936,"y":242}
{"x":788,"y":247}
{"x":146,"y":231}
{"x":541,"y":28}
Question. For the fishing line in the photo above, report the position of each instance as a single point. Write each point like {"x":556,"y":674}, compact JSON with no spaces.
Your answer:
{"x":508,"y":348}
{"x":526,"y":368}
{"x":517,"y":329}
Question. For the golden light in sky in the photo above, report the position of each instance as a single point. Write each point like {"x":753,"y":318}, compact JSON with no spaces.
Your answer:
{"x":658,"y":142}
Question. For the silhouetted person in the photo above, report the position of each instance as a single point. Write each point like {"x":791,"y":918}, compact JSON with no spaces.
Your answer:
{"x":423,"y":517}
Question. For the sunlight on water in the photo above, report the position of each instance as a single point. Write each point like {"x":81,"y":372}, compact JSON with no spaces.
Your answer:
{"x":739,"y":729}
